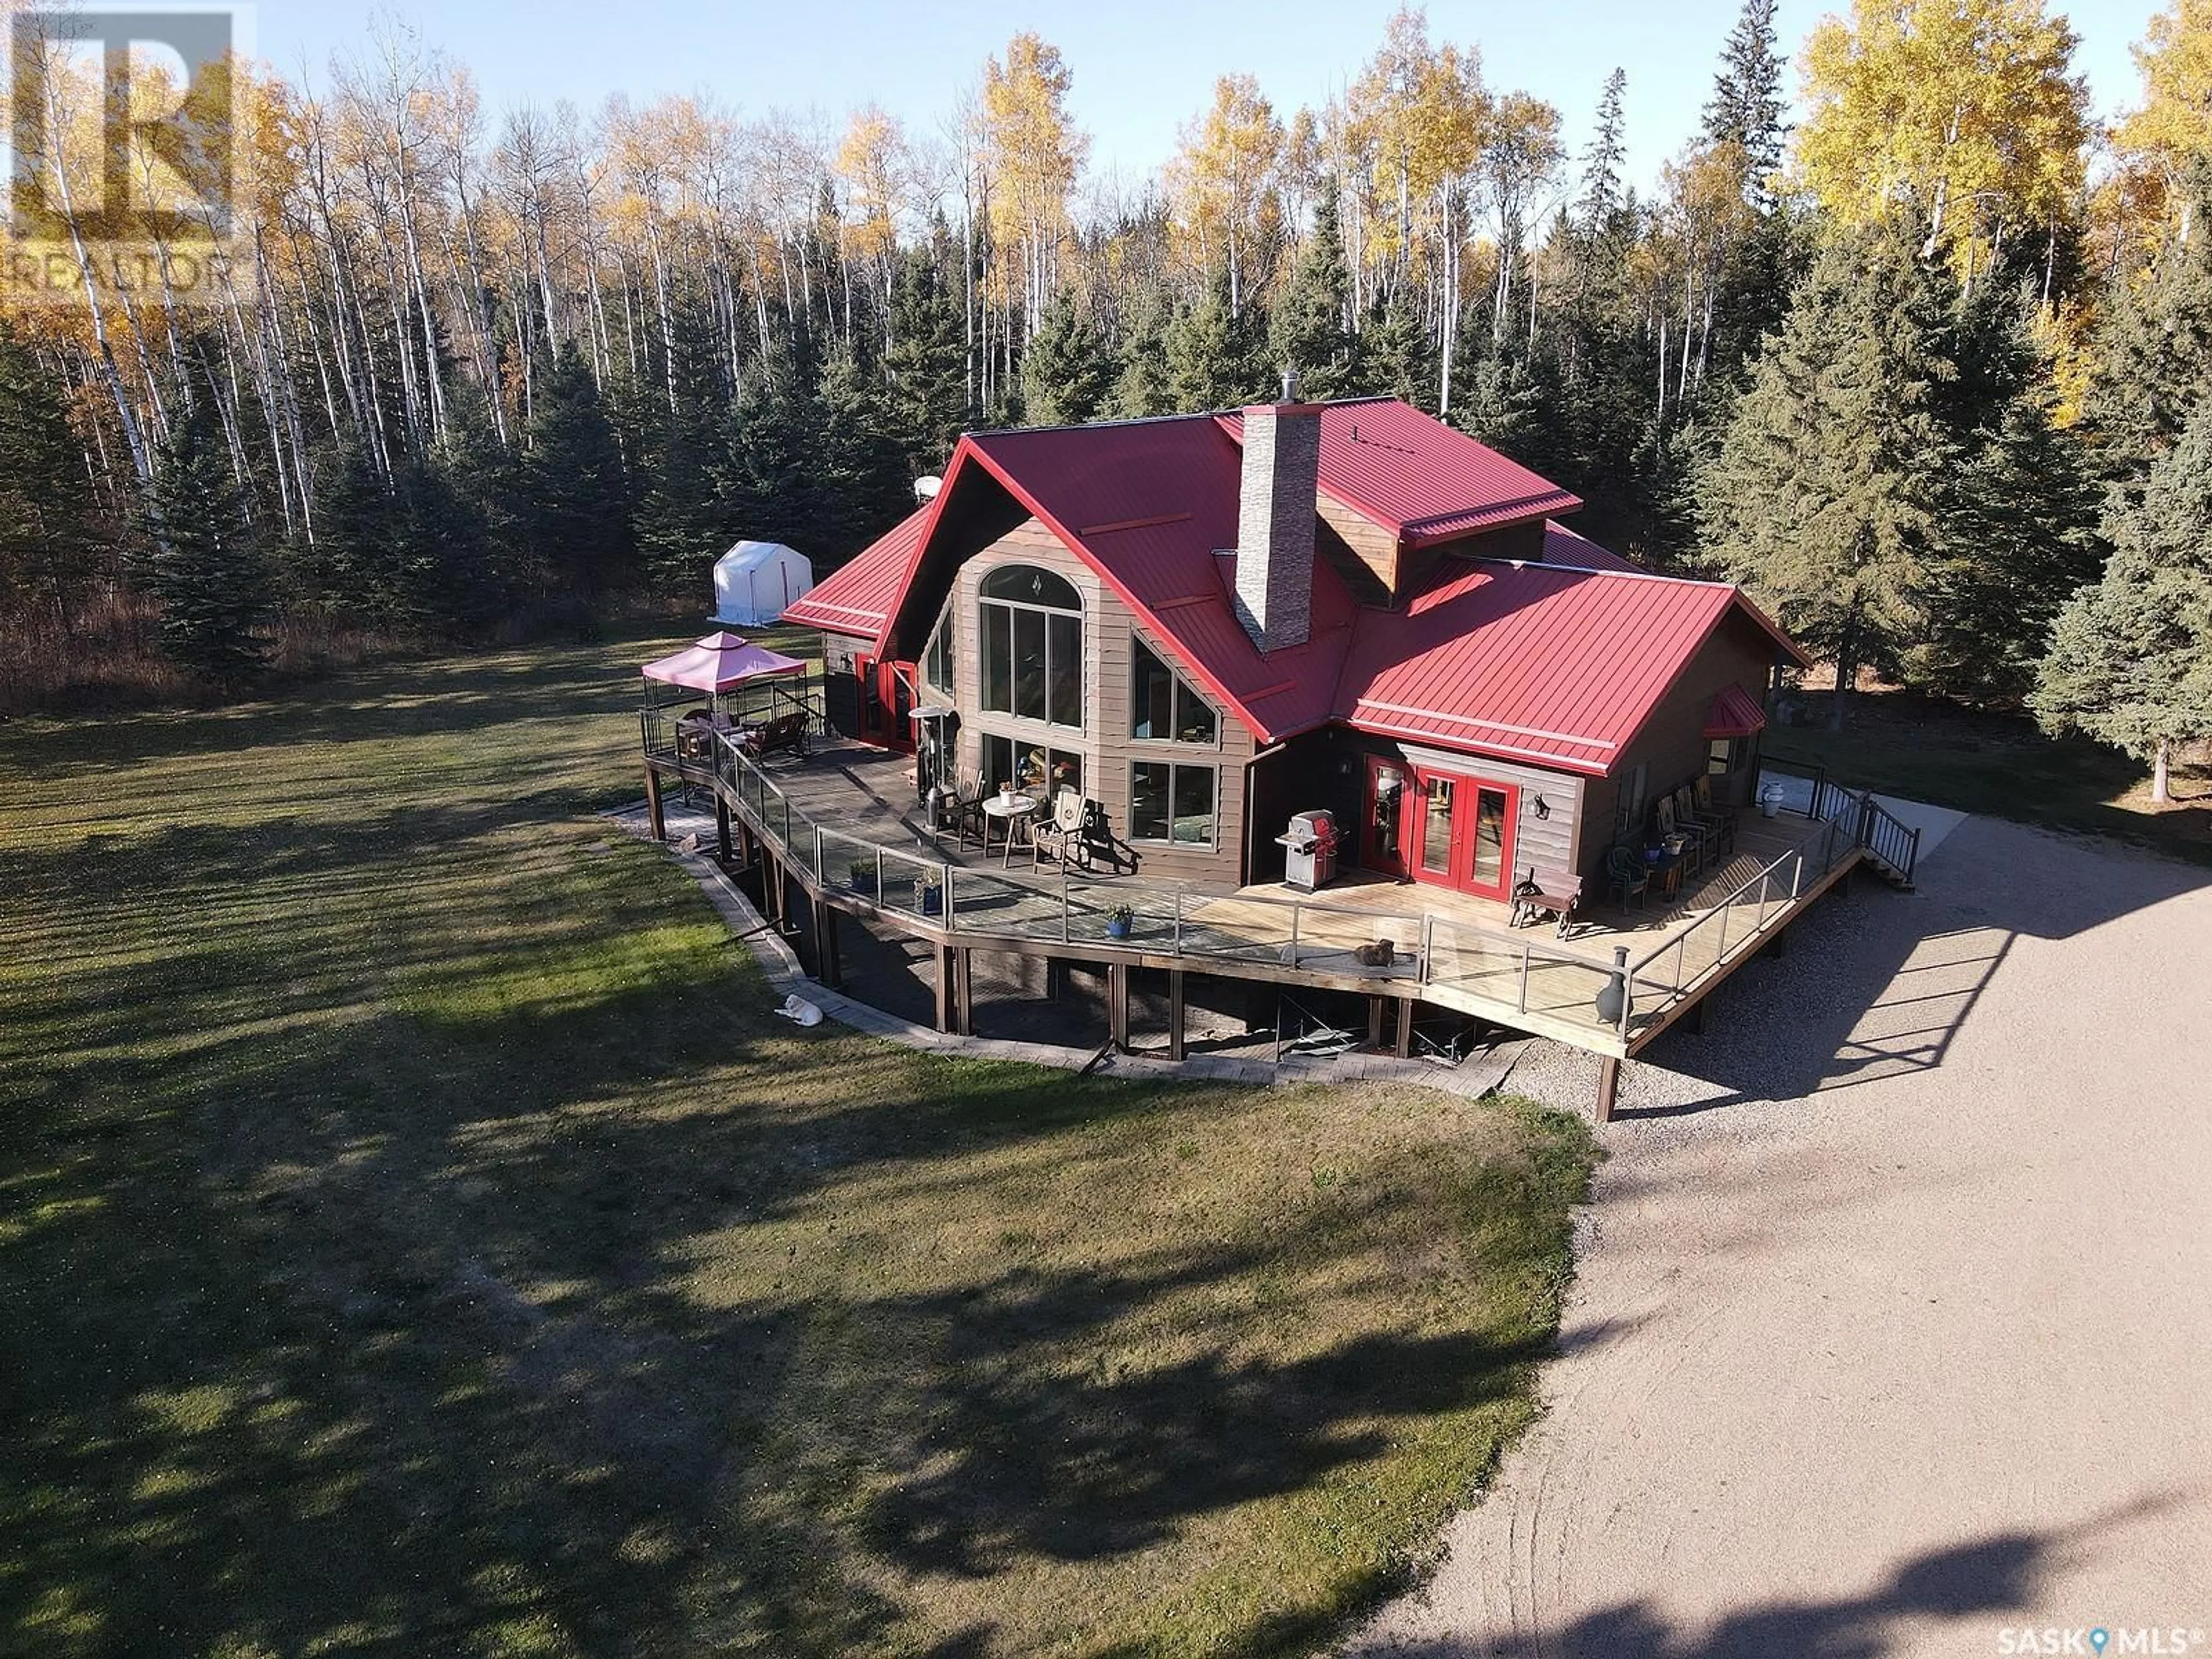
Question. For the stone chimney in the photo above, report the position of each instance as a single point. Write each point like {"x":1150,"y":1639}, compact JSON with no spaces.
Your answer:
{"x":1275,"y":512}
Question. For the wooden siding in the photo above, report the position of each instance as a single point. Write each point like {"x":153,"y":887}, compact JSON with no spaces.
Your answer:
{"x":1547,"y":841}
{"x":1374,"y":547}
{"x":1671,"y":744}
{"x":841,"y":688}
{"x":1104,"y":741}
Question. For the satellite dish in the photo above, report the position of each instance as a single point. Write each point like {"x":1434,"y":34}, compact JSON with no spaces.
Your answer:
{"x":926,"y":488}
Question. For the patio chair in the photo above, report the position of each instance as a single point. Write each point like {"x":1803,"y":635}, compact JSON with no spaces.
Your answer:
{"x":1717,"y":818}
{"x":1630,"y":876}
{"x":963,"y":814}
{"x":1694,"y":838}
{"x":1061,"y":837}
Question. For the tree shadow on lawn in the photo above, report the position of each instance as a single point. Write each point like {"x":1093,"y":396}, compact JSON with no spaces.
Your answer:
{"x":385,"y":1338}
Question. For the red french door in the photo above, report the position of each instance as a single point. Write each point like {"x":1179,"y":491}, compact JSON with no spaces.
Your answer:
{"x":886,"y":700}
{"x":1459,"y":833}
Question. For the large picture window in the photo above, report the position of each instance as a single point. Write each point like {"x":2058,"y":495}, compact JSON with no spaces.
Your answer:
{"x":1033,"y":768}
{"x":1162,"y":705}
{"x":937,"y":661}
{"x":1032,"y":636}
{"x":1172,"y":803}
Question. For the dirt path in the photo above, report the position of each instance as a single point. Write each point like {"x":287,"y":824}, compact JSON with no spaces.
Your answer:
{"x":1910,"y":1344}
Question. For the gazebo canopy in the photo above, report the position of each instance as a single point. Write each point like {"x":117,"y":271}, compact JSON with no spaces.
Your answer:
{"x":720,"y":662}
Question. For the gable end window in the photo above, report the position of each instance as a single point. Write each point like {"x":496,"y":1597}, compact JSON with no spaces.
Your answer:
{"x":1163,"y":708}
{"x":1031,"y":624}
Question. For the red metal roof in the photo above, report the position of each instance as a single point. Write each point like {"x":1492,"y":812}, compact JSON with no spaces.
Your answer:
{"x":861,"y":596}
{"x":1419,"y":478}
{"x":1560,"y":667}
{"x":1734,"y":714}
{"x":1150,"y":504}
{"x":1565,"y":546}
{"x":1554,"y":662}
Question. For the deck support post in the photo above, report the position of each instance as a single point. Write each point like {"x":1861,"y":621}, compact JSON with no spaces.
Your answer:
{"x":654,"y":817}
{"x":1055,"y":979}
{"x":1404,"y":1047}
{"x":1693,"y":1018}
{"x":1608,"y":1087}
{"x":948,"y":970}
{"x":1779,"y":944}
{"x":963,"y":990}
{"x":1175,"y":1013}
{"x":1375,"y":1023}
{"x":827,"y":966}
{"x":1117,"y":1004}
{"x":721,"y":828}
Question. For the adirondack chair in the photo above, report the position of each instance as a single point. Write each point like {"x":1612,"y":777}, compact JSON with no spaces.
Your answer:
{"x":1717,"y":818}
{"x":1694,"y":838}
{"x":1060,"y":836}
{"x":1552,"y":894}
{"x":1630,"y":876}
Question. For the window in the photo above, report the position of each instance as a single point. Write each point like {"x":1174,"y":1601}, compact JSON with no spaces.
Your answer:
{"x":1162,"y":705}
{"x":1172,"y":803}
{"x":1033,"y":768}
{"x":1726,"y":755}
{"x":1032,"y":637}
{"x":937,"y":661}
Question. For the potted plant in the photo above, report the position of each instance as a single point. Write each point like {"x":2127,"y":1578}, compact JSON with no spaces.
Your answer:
{"x":860,"y":876}
{"x":929,"y":892}
{"x":1119,"y":920}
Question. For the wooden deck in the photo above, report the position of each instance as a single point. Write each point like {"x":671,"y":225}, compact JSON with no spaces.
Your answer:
{"x":846,"y":825}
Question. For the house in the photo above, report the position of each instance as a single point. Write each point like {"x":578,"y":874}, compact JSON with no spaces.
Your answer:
{"x":1209,"y":623}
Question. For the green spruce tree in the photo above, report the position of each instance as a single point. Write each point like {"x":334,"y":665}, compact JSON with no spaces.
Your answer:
{"x":927,"y":363}
{"x":1068,"y":373}
{"x":575,"y":517}
{"x":1825,"y":495}
{"x":1748,"y":104}
{"x":204,"y":568}
{"x":1309,"y":333}
{"x":1145,"y":386}
{"x":2130,"y":660}
{"x":47,"y":546}
{"x":1214,"y":357}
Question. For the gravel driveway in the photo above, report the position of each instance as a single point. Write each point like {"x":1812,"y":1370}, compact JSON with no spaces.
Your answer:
{"x":1893,"y":1331}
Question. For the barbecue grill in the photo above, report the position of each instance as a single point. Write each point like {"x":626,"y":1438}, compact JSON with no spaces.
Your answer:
{"x":1310,"y":851}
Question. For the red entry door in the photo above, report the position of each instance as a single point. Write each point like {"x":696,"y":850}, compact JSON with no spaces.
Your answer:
{"x":886,"y":700}
{"x":1459,"y":833}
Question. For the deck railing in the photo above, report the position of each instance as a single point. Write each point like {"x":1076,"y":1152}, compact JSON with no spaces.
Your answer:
{"x":1514,"y":969}
{"x":1761,"y":901}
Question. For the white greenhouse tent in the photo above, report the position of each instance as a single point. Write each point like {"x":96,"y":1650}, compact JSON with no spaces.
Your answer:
{"x":755,"y":581}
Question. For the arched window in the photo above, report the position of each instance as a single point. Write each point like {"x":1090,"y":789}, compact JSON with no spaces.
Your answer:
{"x":1024,"y":584}
{"x":1032,"y":657}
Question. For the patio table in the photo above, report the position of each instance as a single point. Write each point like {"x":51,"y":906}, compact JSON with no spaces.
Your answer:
{"x":1016,"y":815}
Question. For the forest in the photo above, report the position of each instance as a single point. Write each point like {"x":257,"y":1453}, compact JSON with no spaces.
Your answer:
{"x":1920,"y":355}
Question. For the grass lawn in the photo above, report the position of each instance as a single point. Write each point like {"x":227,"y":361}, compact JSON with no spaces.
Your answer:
{"x":417,"y":1238}
{"x":1925,"y":750}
